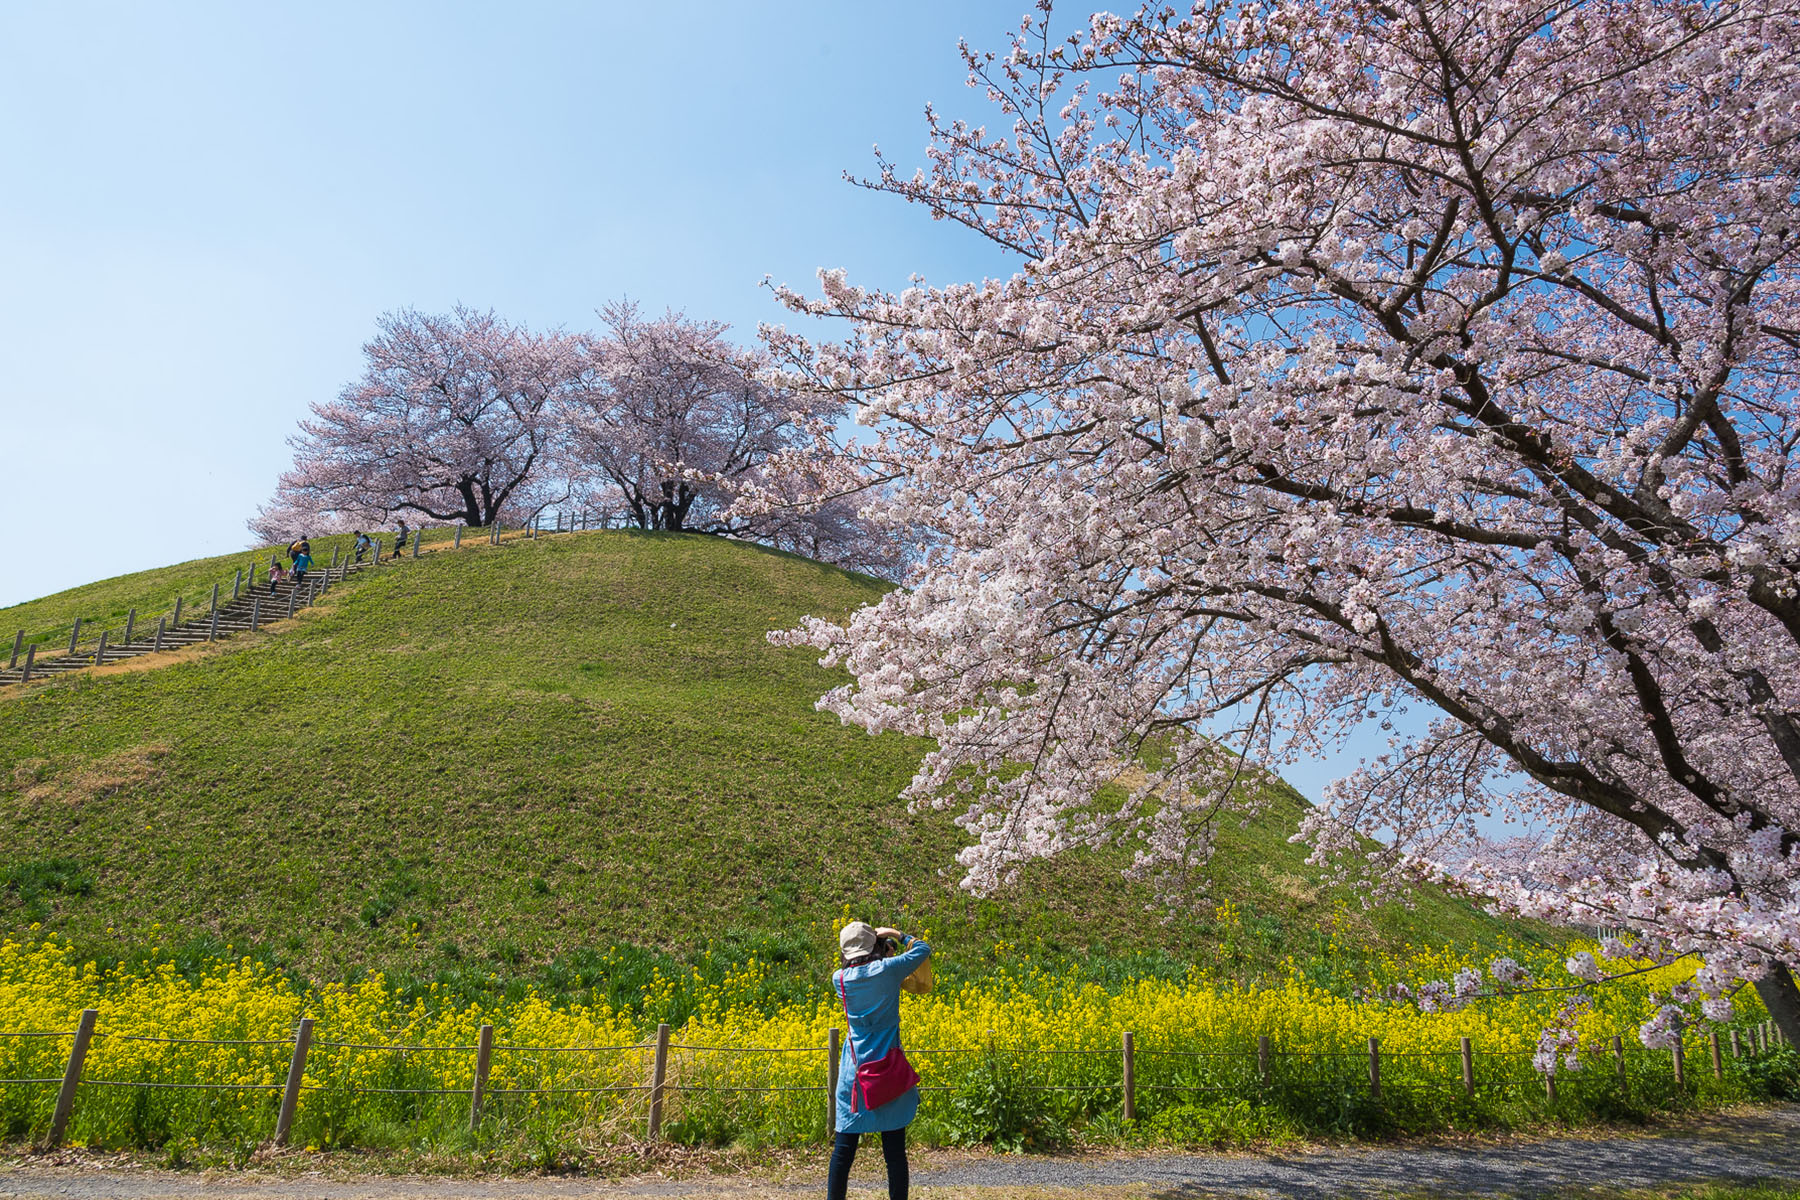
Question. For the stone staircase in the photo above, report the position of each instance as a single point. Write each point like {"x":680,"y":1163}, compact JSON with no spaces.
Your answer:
{"x":252,"y":608}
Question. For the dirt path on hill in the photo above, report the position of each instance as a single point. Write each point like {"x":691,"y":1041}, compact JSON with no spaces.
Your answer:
{"x":1756,"y":1146}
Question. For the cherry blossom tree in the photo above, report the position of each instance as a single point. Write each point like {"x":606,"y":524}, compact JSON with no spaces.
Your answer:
{"x":1360,"y":355}
{"x":675,"y":421}
{"x":451,"y":420}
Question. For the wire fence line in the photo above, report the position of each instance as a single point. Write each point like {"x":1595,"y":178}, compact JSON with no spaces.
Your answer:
{"x":1249,"y":1071}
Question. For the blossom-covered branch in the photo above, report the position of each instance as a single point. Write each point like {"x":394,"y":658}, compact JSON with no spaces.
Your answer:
{"x":1359,"y":356}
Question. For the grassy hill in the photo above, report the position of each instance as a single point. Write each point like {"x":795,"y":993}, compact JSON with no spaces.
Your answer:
{"x":501,"y":763}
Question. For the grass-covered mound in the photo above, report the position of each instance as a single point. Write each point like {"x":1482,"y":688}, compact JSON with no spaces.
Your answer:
{"x":500,"y":761}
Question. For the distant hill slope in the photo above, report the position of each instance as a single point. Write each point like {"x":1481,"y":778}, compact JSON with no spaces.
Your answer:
{"x":495,"y":755}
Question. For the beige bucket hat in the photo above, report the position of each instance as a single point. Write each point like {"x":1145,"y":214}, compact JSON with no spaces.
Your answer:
{"x":857,"y":939}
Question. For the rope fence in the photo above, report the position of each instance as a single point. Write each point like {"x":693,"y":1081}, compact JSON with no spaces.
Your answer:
{"x":1249,"y":1071}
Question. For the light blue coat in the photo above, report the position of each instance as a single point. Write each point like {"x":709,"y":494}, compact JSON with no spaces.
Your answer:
{"x":873,"y":991}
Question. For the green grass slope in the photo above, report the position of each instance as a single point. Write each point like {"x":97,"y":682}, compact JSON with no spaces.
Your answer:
{"x":489,"y":761}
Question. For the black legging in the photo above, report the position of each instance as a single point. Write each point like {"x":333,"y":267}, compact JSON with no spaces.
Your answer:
{"x":843,"y":1153}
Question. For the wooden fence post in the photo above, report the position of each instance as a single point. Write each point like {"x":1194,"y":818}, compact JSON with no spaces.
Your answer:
{"x":1736,"y":1049}
{"x":833,"y":1050}
{"x":100,"y":650}
{"x":215,"y":598}
{"x":255,"y":613}
{"x":418,"y":536}
{"x":18,"y":644}
{"x":1262,"y":1059}
{"x":334,"y":558}
{"x":30,"y":659}
{"x":484,"y":1053}
{"x":1550,"y":1085}
{"x":293,"y":593}
{"x":212,"y":626}
{"x":65,"y":1099}
{"x":237,"y":581}
{"x":73,"y":637}
{"x":457,"y":544}
{"x":659,"y":1072}
{"x":250,"y":576}
{"x":1375,"y":1067}
{"x":130,"y":624}
{"x":1680,"y":1072}
{"x":1618,"y":1049}
{"x":175,"y":621}
{"x":1468,"y":1066}
{"x":1718,"y":1059}
{"x":290,"y":1095}
{"x":159,"y":634}
{"x":1128,"y":1075}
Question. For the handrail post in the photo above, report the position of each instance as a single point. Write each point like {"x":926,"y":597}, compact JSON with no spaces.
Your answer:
{"x":457,"y":544}
{"x":255,"y":613}
{"x":18,"y":645}
{"x":100,"y":650}
{"x":159,"y":635}
{"x":832,"y":1053}
{"x":290,"y":1095}
{"x":175,"y":621}
{"x":75,"y":635}
{"x":130,"y":624}
{"x":293,"y":594}
{"x":418,"y":536}
{"x":1375,"y":1067}
{"x":237,"y":581}
{"x":65,"y":1099}
{"x":1128,"y":1076}
{"x":30,"y":660}
{"x":1736,"y":1046}
{"x":484,"y":1053}
{"x":212,"y":625}
{"x":1468,"y":1068}
{"x":215,"y":598}
{"x":659,"y":1073}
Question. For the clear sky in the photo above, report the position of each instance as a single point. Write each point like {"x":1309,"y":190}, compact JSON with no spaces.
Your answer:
{"x":203,"y":208}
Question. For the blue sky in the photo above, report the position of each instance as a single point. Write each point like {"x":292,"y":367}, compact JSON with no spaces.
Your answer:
{"x":204,"y":208}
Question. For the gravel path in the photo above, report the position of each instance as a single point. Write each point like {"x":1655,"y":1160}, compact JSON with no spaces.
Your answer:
{"x":1755,"y":1146}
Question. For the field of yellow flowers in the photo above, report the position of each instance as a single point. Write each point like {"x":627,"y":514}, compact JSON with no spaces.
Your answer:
{"x":1019,"y":1058}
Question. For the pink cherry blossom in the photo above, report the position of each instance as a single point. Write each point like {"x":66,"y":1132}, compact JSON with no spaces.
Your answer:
{"x":450,"y":420}
{"x":1358,"y":358}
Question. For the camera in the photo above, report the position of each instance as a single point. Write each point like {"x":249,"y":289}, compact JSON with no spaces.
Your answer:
{"x":884,"y":947}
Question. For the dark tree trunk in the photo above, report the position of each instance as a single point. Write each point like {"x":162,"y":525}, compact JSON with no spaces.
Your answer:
{"x":1782,"y":998}
{"x":472,"y":514}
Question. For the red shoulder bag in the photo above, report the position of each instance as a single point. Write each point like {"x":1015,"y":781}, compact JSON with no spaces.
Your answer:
{"x":879,"y":1082}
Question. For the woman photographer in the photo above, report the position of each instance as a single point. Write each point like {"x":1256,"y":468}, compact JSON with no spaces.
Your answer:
{"x":877,"y":1088}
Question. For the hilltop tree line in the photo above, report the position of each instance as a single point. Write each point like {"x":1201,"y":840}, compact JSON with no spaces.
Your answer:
{"x":658,"y":424}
